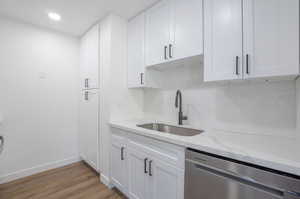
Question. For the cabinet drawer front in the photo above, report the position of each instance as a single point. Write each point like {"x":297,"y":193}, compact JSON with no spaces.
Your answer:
{"x":169,"y":153}
{"x":118,"y":140}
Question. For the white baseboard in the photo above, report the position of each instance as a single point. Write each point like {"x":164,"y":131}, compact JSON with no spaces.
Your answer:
{"x":34,"y":170}
{"x":105,"y":180}
{"x":90,"y":163}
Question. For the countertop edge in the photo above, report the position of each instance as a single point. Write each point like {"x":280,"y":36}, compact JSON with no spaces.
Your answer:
{"x":294,"y":170}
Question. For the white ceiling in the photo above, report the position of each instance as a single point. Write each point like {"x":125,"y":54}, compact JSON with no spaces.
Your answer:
{"x":77,"y":15}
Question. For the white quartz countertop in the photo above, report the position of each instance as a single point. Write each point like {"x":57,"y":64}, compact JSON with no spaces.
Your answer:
{"x":275,"y":152}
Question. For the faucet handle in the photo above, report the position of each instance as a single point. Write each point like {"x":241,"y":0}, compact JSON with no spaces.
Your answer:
{"x":184,"y":117}
{"x":181,"y":117}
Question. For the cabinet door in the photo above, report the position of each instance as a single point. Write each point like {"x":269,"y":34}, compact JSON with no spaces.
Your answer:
{"x":187,"y":34}
{"x":271,"y":37}
{"x":88,"y":127}
{"x":83,"y":62}
{"x":136,"y":51}
{"x":89,"y":67}
{"x":137,"y":176}
{"x":158,"y":33}
{"x":119,"y":163}
{"x":222,"y":40}
{"x":165,"y":181}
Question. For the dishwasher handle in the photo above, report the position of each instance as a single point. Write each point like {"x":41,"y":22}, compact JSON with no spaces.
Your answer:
{"x":231,"y":173}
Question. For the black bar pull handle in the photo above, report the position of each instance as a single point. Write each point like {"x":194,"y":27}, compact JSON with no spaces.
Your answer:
{"x":150,"y":168}
{"x":170,"y":51}
{"x":142,"y":78}
{"x":145,"y":165}
{"x":237,"y":65}
{"x":2,"y":143}
{"x":247,"y":64}
{"x":122,"y":153}
{"x":166,"y":48}
{"x":86,"y":83}
{"x":86,"y":95}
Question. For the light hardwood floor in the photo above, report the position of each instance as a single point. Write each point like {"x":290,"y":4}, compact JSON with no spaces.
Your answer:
{"x":75,"y":181}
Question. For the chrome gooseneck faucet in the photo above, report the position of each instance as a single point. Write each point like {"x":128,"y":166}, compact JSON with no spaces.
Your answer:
{"x":180,"y":114}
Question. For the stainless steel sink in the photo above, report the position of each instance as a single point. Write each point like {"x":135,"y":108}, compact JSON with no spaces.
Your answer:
{"x":164,"y":128}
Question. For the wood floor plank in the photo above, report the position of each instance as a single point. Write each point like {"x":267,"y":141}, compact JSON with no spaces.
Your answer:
{"x":75,"y":181}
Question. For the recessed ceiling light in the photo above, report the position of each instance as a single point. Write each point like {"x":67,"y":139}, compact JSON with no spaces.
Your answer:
{"x":54,"y":16}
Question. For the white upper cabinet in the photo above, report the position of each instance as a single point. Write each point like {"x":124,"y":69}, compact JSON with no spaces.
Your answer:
{"x":89,"y":59}
{"x":187,"y":29}
{"x":158,"y":23}
{"x":223,"y":40}
{"x":136,"y":52}
{"x":271,"y":38}
{"x":174,"y":30}
{"x":262,"y":34}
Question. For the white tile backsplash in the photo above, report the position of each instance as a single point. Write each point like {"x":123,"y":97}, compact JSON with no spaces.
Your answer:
{"x":264,"y":107}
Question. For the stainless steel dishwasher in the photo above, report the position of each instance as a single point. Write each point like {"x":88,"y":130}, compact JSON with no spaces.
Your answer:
{"x":210,"y":176}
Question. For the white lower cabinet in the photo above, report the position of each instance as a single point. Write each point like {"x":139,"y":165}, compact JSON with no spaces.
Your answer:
{"x":119,"y":156}
{"x":151,"y":169}
{"x":166,"y":181}
{"x":137,"y":178}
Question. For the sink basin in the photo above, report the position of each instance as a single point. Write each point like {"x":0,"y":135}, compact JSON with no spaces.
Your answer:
{"x":164,"y":128}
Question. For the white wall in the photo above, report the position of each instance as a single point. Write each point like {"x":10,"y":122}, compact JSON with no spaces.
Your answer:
{"x":117,"y":102}
{"x":38,"y":99}
{"x":250,"y":107}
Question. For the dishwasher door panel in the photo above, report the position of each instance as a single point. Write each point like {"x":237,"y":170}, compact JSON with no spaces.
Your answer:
{"x":203,"y":183}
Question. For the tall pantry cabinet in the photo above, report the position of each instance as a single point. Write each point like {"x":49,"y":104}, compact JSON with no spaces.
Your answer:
{"x":89,"y":98}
